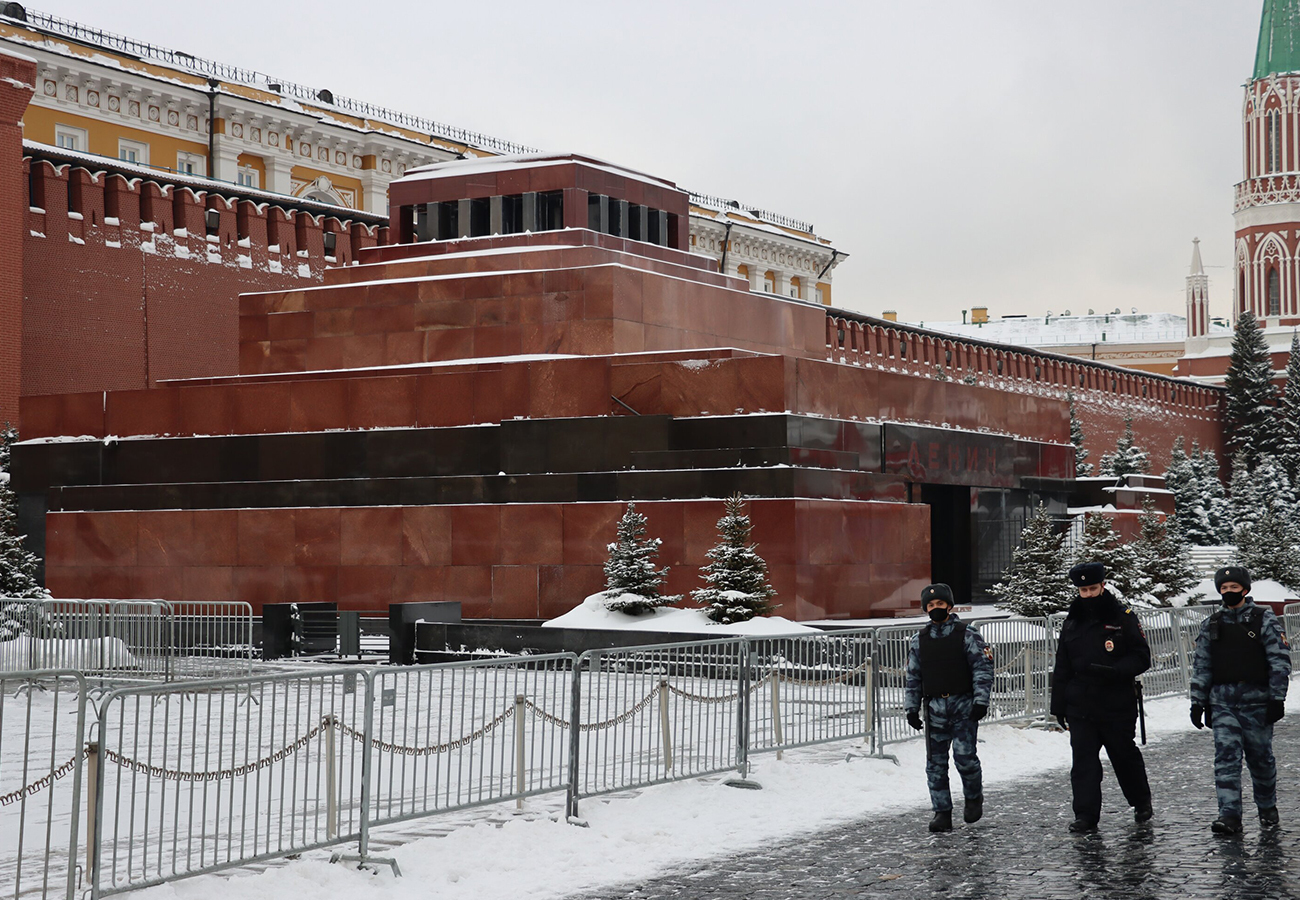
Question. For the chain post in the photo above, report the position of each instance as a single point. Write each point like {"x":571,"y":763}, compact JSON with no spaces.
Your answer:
{"x":331,"y":795}
{"x":575,"y":729}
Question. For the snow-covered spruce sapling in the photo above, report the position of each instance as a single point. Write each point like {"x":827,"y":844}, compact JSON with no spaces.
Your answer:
{"x":736,"y":587}
{"x":632,"y":581}
{"x":1206,"y":466}
{"x":1163,"y":565}
{"x":1289,"y":407}
{"x":1127,"y":458}
{"x":18,"y":568}
{"x":1191,"y":504}
{"x":1035,"y":583}
{"x":1250,"y":420}
{"x":1082,"y":469}
{"x":1102,"y":543}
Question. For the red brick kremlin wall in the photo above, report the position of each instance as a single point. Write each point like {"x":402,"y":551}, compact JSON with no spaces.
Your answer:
{"x":124,"y":287}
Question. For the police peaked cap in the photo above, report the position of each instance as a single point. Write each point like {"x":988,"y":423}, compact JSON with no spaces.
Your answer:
{"x":1088,"y":573}
{"x":1239,"y":574}
{"x":936,"y":592}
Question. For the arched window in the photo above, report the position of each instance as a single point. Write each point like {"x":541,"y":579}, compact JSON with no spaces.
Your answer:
{"x":1274,"y":293}
{"x":1273,"y":143}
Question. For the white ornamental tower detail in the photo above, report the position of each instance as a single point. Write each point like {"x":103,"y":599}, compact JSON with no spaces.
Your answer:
{"x":1198,"y":295}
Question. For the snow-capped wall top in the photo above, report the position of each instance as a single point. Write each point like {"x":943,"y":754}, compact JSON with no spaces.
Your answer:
{"x":1055,"y":331}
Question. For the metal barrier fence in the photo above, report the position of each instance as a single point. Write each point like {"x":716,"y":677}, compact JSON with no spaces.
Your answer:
{"x":42,"y":745}
{"x":183,"y":779}
{"x":148,"y":640}
{"x":645,"y":715}
{"x":223,"y":773}
{"x":1291,"y":622}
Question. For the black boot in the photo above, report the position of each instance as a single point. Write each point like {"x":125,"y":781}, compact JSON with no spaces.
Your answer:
{"x":942,"y":821}
{"x":1268,"y":817}
{"x":1082,"y":826}
{"x":1143,"y":812}
{"x":1226,"y":825}
{"x":974,"y":810}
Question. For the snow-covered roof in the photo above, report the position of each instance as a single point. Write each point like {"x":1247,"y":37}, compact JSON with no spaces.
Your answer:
{"x":1057,"y":331}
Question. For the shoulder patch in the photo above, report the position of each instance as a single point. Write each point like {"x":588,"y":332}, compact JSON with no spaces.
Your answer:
{"x":1128,"y":610}
{"x":988,"y":651}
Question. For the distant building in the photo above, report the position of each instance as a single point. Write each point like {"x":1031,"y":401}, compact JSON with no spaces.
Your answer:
{"x":106,"y":95}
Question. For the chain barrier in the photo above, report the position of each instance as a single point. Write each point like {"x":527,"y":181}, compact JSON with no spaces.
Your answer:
{"x":180,"y":775}
{"x":432,"y":749}
{"x":42,"y":783}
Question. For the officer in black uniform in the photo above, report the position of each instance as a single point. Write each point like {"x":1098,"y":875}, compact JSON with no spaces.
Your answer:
{"x":1101,"y":651}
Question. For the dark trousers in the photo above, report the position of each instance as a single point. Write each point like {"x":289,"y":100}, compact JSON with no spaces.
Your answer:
{"x":1087,"y":738}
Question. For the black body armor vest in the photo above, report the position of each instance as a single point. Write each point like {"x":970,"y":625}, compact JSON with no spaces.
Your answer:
{"x":1237,"y":650}
{"x":944,"y":669}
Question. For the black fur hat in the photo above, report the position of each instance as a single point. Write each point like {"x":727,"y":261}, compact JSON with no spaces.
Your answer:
{"x":1088,"y":573}
{"x":936,"y":592}
{"x":1239,"y":574}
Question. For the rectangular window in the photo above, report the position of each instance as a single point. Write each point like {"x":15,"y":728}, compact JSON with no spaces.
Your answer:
{"x":132,"y":151}
{"x":448,"y":220}
{"x":247,"y":177}
{"x":550,"y":211}
{"x":68,"y":138}
{"x":1272,"y":143}
{"x":191,"y":164}
{"x":480,"y":217}
{"x":512,"y":214}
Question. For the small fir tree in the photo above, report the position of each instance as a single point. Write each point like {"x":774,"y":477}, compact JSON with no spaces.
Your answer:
{"x":1270,"y":547}
{"x":631,"y":580}
{"x":1289,"y":407}
{"x":18,"y":567}
{"x":1035,"y":584}
{"x":1101,"y":543}
{"x":736,"y":576}
{"x":1163,"y":563}
{"x":1250,"y":420}
{"x":1128,"y":458}
{"x":1190,"y":501}
{"x":1082,"y":469}
{"x":1206,"y":466}
{"x":1243,"y":500}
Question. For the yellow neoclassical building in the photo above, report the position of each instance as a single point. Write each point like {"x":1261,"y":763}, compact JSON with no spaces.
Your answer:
{"x":105,"y":95}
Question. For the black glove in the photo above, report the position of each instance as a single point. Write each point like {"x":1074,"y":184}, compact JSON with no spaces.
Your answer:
{"x":1197,"y":712}
{"x":1276,"y":710}
{"x":1060,"y":720}
{"x":979,"y":711}
{"x":914,"y":719}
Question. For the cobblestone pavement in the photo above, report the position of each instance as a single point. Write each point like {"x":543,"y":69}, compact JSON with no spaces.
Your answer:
{"x":1021,"y":848}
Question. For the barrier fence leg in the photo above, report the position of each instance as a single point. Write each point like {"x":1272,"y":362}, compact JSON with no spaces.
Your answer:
{"x":520,"y":702}
{"x":92,"y":805}
{"x":869,"y":710}
{"x":331,"y":796}
{"x":665,"y":725}
{"x":575,"y":730}
{"x":363,"y":858}
{"x":742,"y":727}
{"x":1029,"y":679}
{"x":776,"y":716}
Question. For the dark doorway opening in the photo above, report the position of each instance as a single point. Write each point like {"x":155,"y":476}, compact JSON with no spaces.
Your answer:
{"x":952,"y":543}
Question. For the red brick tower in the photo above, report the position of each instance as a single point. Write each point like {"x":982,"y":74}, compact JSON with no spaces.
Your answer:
{"x":1267,"y":205}
{"x":17,"y":77}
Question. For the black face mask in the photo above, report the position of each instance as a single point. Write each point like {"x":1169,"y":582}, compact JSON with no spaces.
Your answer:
{"x":938,"y":614}
{"x":1232,"y":598}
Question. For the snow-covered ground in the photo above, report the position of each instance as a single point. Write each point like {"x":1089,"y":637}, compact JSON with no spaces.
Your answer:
{"x":634,"y":838}
{"x":594,"y":612}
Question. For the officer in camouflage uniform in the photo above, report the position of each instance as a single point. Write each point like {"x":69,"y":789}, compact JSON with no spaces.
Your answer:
{"x":951,"y":668}
{"x":1101,"y":651}
{"x":1239,"y":681}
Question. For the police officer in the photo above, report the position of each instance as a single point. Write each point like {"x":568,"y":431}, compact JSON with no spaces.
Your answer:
{"x":1102,"y":649}
{"x":951,"y":668}
{"x":1239,"y":680}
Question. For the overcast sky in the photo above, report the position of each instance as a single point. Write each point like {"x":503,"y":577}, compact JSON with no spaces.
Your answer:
{"x":1027,"y":156}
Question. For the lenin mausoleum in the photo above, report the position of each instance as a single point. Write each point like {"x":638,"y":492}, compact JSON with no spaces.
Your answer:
{"x":455,"y":398}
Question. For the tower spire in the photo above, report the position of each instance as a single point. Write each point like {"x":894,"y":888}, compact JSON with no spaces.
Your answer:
{"x":1198,"y":295}
{"x":1279,"y":39}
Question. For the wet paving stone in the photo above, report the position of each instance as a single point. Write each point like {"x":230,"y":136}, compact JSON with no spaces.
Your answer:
{"x":1021,"y":850}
